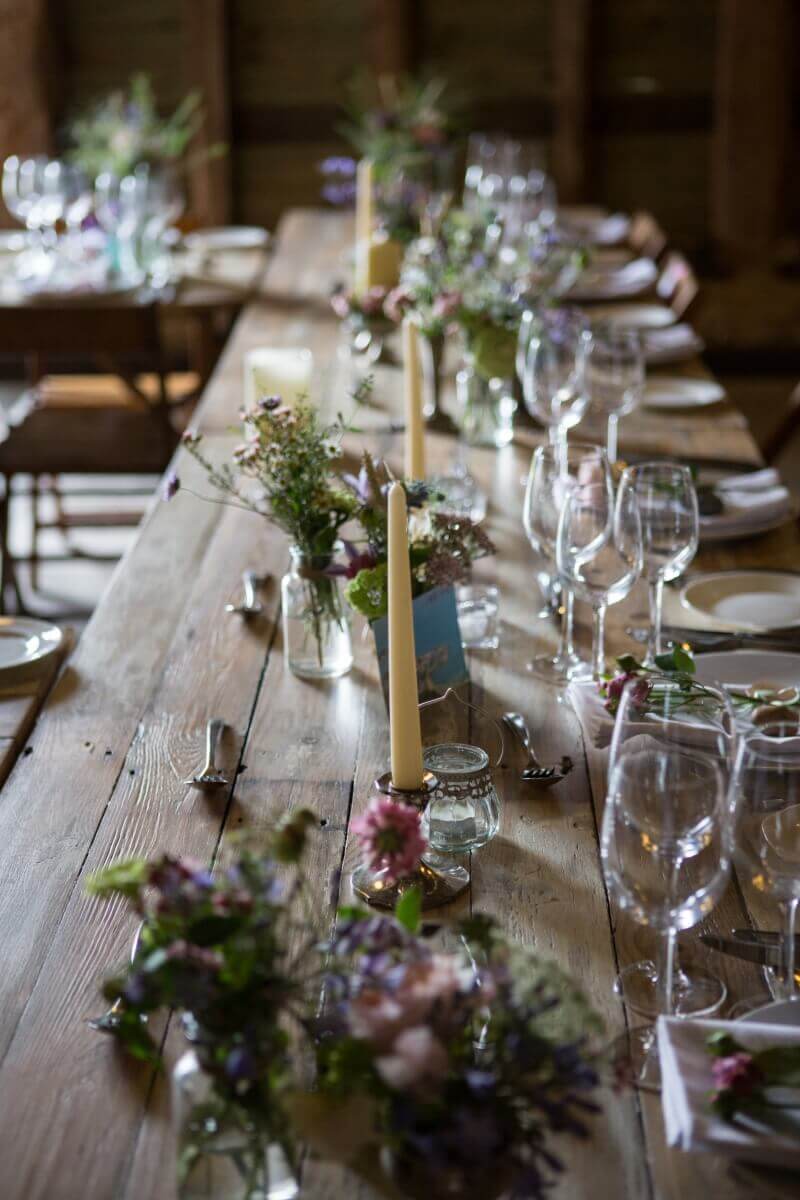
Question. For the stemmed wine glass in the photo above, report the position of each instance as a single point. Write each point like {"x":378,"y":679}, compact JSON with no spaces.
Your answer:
{"x":554,"y":471}
{"x":599,"y":551}
{"x":548,"y":363}
{"x":670,"y":531}
{"x":667,"y":836}
{"x":613,"y":376}
{"x":767,"y":814}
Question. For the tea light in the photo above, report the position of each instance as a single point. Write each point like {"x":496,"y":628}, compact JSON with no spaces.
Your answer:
{"x":276,"y":371}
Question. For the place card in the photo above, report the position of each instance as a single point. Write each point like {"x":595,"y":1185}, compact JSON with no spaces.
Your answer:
{"x":437,"y":639}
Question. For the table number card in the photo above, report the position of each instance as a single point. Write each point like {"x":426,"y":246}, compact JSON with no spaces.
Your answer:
{"x":437,"y":639}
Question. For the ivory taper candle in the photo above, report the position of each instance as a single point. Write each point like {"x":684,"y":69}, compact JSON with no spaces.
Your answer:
{"x":412,"y":390}
{"x":364,"y":201}
{"x":404,"y":728}
{"x":277,"y":371}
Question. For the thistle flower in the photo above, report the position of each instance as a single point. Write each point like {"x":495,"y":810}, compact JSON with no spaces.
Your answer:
{"x":390,"y":836}
{"x":171,"y":486}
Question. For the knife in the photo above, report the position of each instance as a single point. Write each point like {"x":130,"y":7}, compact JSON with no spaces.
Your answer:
{"x":754,"y":952}
{"x":763,"y":937}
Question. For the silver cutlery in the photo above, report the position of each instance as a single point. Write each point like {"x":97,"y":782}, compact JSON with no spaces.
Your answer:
{"x":210,"y":775}
{"x":534,"y":771}
{"x":786,"y":638}
{"x":110,"y":1020}
{"x":251,"y":606}
{"x":762,"y":954}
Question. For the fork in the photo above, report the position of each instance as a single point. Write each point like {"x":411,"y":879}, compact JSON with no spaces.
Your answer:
{"x":110,"y":1020}
{"x":534,"y":771}
{"x":210,"y":775}
{"x":251,"y":606}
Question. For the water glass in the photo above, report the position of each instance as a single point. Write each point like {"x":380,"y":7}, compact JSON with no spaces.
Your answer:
{"x":463,"y":813}
{"x":599,"y":551}
{"x":477,"y":606}
{"x":613,"y":376}
{"x":670,"y":531}
{"x":550,"y":368}
{"x":667,"y":833}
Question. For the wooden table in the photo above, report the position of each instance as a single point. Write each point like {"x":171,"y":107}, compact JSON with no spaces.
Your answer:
{"x":101,"y":779}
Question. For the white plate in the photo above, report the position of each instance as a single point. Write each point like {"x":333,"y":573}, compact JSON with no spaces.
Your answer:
{"x":778,"y":1012}
{"x":609,"y":283}
{"x":751,"y":601}
{"x":227,"y":237}
{"x":740,"y":668}
{"x":712,"y":533}
{"x":667,"y":392}
{"x":633,"y":316}
{"x":25,"y":641}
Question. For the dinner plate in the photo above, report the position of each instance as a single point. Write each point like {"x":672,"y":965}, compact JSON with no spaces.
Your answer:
{"x":633,"y":316}
{"x":24,"y":642}
{"x":227,"y":237}
{"x":608,"y":283}
{"x":712,"y":532}
{"x":777,"y":1012}
{"x":668,"y":392}
{"x":750,"y":601}
{"x":741,"y":668}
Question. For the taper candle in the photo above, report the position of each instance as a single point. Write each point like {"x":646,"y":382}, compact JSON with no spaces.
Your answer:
{"x":364,"y":201}
{"x":404,"y":727}
{"x":412,"y":390}
{"x":283,"y":371}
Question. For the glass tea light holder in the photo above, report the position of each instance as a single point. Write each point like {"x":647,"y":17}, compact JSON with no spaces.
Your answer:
{"x":460,"y":813}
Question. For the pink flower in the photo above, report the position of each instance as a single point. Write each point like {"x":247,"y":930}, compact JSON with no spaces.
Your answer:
{"x":398,"y":301}
{"x":340,"y":303}
{"x":446,"y":305}
{"x":615,"y":688}
{"x":428,"y":989}
{"x":372,"y":303}
{"x":738,"y":1073}
{"x":390,"y":836}
{"x":417,"y":1058}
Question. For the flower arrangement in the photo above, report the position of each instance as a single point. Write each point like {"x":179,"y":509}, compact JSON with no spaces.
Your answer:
{"x":671,"y":683}
{"x":231,"y":953}
{"x":369,"y":308}
{"x":742,"y":1078}
{"x":440,"y":1078}
{"x":125,"y":129}
{"x":442,"y":546}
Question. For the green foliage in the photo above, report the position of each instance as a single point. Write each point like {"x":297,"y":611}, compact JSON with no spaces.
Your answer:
{"x":125,"y":878}
{"x":408,"y":909}
{"x":368,"y":593}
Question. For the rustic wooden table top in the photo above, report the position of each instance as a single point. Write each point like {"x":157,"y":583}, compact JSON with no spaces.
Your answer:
{"x":101,"y":779}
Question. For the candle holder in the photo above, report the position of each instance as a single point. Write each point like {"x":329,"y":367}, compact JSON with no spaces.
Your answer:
{"x":439,"y":878}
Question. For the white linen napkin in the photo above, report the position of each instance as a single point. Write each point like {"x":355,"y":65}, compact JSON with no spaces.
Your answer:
{"x":673,"y":343}
{"x":750,"y":500}
{"x":687,"y":1084}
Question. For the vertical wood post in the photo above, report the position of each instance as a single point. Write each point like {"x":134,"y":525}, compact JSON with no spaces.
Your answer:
{"x":206,"y":36}
{"x":26,"y":79}
{"x":752,"y":126}
{"x":390,"y":36}
{"x":572,"y":96}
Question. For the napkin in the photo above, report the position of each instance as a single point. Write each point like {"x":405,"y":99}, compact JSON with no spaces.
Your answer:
{"x":674,"y":343}
{"x":750,"y":501}
{"x":686,"y":1084}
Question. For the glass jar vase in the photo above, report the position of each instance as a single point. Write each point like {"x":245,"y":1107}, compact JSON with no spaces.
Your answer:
{"x":486,"y":408}
{"x":463,"y":813}
{"x":316,"y":630}
{"x":219,"y":1159}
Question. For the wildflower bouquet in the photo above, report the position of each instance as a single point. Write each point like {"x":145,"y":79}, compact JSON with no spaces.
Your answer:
{"x":125,"y":129}
{"x":442,"y":546}
{"x":745,"y":1082}
{"x":437,"y":1078}
{"x":231,"y":953}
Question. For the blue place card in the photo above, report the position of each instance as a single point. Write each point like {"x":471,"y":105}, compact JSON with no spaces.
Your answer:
{"x":437,"y":640}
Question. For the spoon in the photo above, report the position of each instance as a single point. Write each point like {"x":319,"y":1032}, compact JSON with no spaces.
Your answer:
{"x":250,"y":606}
{"x":110,"y":1020}
{"x":210,"y":776}
{"x":534,"y":771}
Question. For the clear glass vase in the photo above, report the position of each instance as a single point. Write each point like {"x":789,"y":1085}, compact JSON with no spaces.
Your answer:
{"x":316,"y":631}
{"x":486,"y":408}
{"x":221,"y":1160}
{"x":431,"y":354}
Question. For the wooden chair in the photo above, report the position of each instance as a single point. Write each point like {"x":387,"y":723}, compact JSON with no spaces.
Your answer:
{"x":646,"y":237}
{"x":116,"y":423}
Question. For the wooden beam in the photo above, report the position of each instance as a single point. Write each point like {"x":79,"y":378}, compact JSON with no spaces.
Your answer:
{"x":206,"y":35}
{"x":752,"y":127}
{"x":25,"y":79}
{"x":390,"y":26}
{"x":572,"y":94}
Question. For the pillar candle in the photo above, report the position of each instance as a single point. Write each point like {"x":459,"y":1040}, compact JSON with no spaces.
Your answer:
{"x":412,"y":391}
{"x":404,"y":727}
{"x":276,"y":371}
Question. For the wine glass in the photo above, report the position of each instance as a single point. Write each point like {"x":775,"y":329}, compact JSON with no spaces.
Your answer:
{"x":767,"y":827}
{"x":667,"y":834}
{"x":670,"y":531}
{"x":599,"y":551}
{"x":548,"y":362}
{"x":22,"y":193}
{"x":554,"y":471}
{"x":613,"y":376}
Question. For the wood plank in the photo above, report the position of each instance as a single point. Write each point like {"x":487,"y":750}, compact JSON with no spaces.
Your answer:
{"x":390,"y":37}
{"x":27,"y":68}
{"x":572,"y":58}
{"x":206,"y":35}
{"x":752,"y":123}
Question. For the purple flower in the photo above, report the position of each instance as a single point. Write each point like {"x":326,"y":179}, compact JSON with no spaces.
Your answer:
{"x":339,"y":194}
{"x":171,"y":486}
{"x":241,"y":1065}
{"x":338,"y":165}
{"x":357,"y":560}
{"x":269,"y":403}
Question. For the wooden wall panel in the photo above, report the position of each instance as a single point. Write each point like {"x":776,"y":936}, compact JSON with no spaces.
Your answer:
{"x":651,"y":47}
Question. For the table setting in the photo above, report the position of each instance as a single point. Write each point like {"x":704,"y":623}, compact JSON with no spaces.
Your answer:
{"x":396,"y":880}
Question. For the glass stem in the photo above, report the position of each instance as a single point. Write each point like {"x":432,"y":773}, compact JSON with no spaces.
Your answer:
{"x":598,"y":642}
{"x":656,"y":590}
{"x":789,"y":913}
{"x":565,"y":648}
{"x":666,"y":974}
{"x":611,"y":438}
